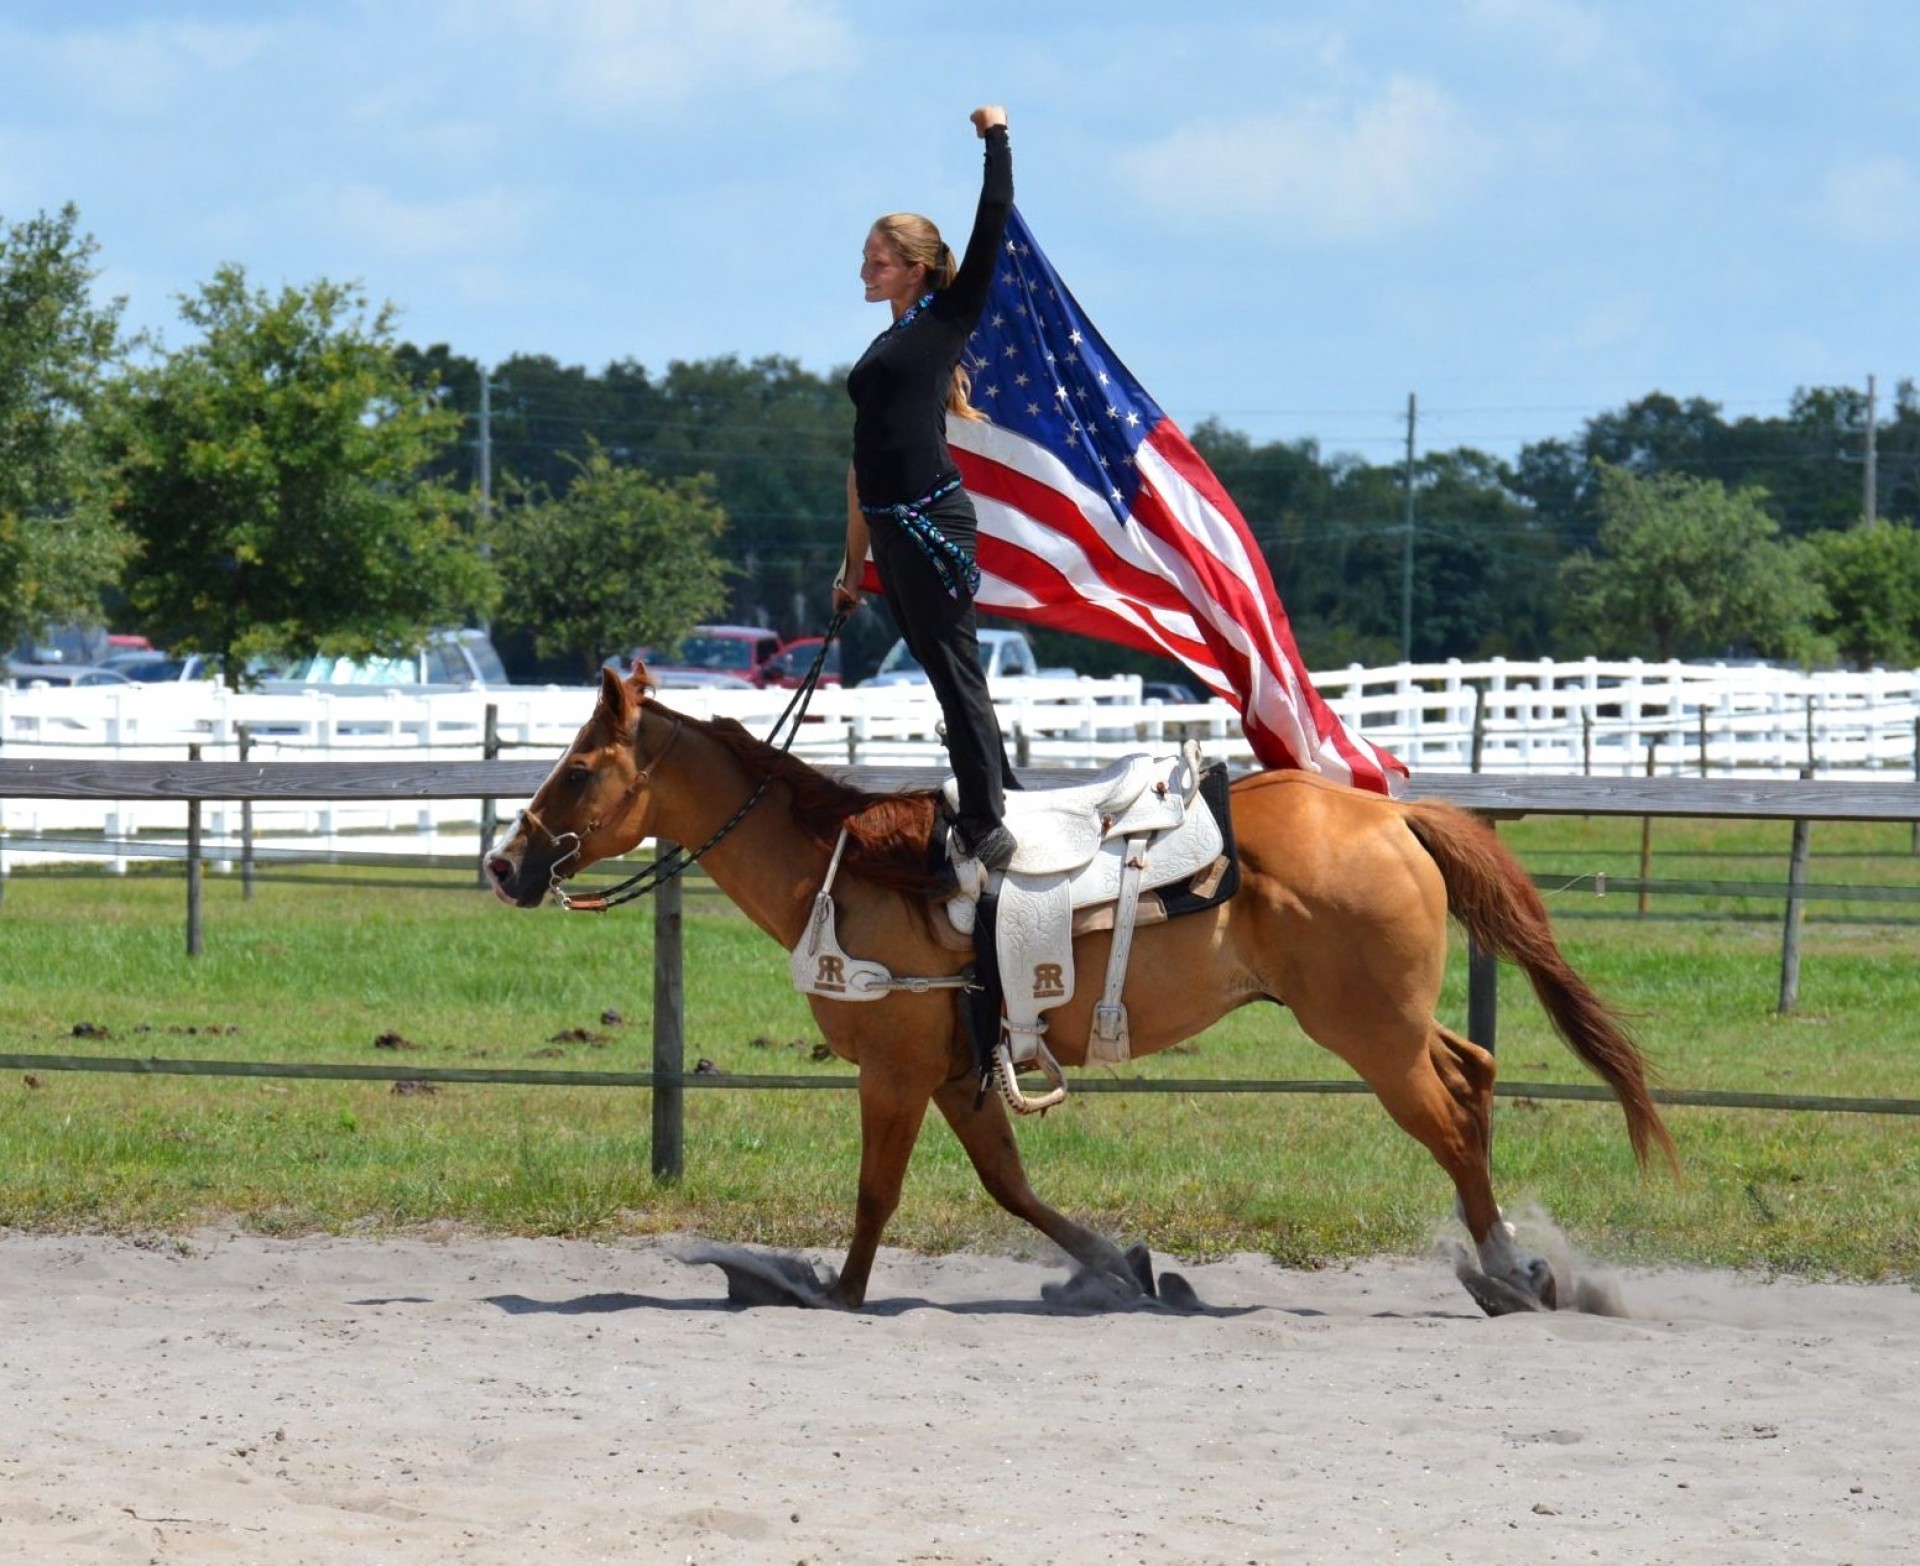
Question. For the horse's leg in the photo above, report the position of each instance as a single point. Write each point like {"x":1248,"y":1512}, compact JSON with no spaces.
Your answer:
{"x":1467,"y":1071}
{"x":989,"y":1141}
{"x":1438,"y":1087}
{"x":892,"y":1105}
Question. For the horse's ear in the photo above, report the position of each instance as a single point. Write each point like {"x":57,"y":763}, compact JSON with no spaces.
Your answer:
{"x":619,"y":701}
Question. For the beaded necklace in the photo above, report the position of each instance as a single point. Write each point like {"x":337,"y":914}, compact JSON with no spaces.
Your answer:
{"x":905,"y":320}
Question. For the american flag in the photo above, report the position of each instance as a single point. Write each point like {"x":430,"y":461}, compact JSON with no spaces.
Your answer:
{"x":1098,"y":516}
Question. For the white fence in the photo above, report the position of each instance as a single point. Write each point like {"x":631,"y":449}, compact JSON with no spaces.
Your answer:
{"x":1591,"y":717}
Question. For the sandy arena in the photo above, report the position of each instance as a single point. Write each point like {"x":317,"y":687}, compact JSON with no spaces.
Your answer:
{"x":231,"y":1398}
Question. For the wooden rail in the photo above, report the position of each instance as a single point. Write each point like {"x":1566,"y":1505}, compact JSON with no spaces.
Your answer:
{"x":1494,"y":796}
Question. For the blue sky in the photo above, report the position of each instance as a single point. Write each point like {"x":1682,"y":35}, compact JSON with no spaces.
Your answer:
{"x":1285,"y":215}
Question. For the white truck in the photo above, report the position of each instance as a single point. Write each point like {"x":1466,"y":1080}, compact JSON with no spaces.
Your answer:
{"x":1004,"y":654}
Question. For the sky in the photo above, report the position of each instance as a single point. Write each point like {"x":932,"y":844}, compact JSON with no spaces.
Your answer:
{"x":1287,"y":215}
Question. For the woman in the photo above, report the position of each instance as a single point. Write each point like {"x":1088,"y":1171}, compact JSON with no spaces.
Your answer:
{"x":904,"y":499}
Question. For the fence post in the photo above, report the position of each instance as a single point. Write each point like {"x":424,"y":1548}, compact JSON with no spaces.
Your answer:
{"x":1646,"y":830}
{"x":489,"y":821}
{"x":1705,"y":712}
{"x":243,"y":732}
{"x":1586,"y":742}
{"x":1790,"y":934}
{"x":193,"y":866}
{"x":669,"y":1027}
{"x":1483,"y":968}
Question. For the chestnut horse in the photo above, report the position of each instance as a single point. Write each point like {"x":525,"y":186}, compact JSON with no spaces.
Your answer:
{"x":1341,"y":915}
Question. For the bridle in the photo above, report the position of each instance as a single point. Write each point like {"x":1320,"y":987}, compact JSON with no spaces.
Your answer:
{"x":559,"y":840}
{"x":669,"y":866}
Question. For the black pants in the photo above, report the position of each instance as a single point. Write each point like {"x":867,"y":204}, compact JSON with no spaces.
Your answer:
{"x":940,"y":632}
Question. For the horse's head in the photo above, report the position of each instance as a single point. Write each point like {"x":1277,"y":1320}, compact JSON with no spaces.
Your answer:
{"x":594,"y":805}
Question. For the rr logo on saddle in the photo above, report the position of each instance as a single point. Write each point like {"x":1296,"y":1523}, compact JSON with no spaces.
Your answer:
{"x":1124,"y":848}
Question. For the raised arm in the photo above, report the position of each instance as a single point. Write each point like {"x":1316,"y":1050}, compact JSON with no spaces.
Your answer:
{"x":967,"y":294}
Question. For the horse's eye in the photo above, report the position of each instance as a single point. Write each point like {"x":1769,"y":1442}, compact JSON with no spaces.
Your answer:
{"x":578,"y":776}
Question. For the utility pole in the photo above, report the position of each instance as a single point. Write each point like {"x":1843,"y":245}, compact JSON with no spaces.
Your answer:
{"x":483,"y":464}
{"x":1406,"y":546}
{"x":1870,"y":479}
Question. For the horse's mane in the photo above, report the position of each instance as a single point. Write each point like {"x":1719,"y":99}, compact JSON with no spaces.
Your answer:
{"x":887,"y":834}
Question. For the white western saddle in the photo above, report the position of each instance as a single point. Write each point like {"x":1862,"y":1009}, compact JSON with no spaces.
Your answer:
{"x":1086,"y":854}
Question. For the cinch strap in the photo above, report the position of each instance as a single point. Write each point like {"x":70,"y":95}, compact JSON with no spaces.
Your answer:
{"x":948,"y":562}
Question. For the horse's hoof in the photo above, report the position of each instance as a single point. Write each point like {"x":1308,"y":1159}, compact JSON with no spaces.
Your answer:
{"x":1095,"y":1289}
{"x":768,"y":1278}
{"x":1177,"y":1294}
{"x":1497,"y":1297}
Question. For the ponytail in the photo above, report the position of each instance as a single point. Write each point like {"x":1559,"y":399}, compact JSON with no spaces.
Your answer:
{"x":960,"y":394}
{"x":918,"y":243}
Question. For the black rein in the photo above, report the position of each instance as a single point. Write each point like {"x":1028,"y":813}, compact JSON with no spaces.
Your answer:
{"x":680,"y":860}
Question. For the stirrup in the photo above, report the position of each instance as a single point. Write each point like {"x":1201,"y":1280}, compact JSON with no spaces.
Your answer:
{"x":1009,"y":1080}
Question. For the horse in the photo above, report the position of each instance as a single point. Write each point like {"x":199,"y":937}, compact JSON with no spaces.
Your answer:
{"x":1340,"y":915}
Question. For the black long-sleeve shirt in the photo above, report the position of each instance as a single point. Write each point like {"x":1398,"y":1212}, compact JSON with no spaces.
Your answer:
{"x":899,"y":387}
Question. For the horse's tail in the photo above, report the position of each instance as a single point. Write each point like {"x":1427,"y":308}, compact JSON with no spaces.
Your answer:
{"x":1489,"y":892}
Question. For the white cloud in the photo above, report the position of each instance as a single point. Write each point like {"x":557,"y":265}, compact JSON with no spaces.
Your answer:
{"x":1323,"y":171}
{"x":477,"y":225}
{"x":134,"y":72}
{"x":1568,"y":34}
{"x":1875,"y":201}
{"x":610,"y":58}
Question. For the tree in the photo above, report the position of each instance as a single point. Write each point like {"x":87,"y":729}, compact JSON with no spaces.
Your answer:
{"x":772,"y":437}
{"x":56,"y":554}
{"x":1871,"y":577}
{"x":1687,"y":569}
{"x":622,"y":559}
{"x":272,"y":474}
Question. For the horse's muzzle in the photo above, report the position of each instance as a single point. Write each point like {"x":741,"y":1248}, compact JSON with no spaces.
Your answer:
{"x":513,"y":880}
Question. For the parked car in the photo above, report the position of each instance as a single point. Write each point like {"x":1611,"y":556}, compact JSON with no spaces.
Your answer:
{"x":23,"y":676}
{"x":1173,"y":692}
{"x":1004,"y":654}
{"x":153,"y":668}
{"x":707,"y":655}
{"x":71,"y":644}
{"x":788,"y":667}
{"x":457,"y":658}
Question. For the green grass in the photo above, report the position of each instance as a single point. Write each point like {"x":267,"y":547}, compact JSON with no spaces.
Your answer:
{"x":308,"y":972}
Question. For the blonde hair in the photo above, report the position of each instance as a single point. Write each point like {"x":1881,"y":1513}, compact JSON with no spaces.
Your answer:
{"x":917,"y":242}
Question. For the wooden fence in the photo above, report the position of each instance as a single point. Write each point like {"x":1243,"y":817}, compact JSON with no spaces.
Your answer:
{"x":1494,"y":796}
